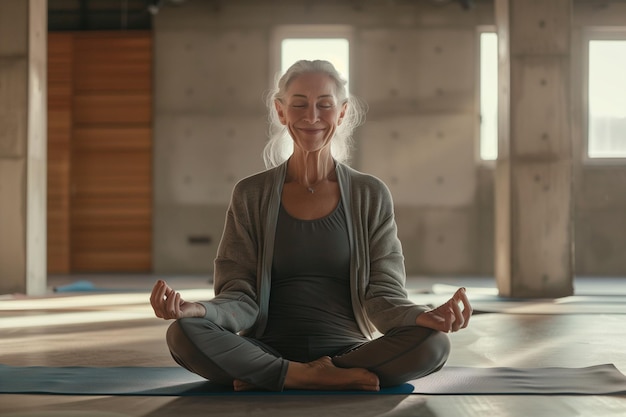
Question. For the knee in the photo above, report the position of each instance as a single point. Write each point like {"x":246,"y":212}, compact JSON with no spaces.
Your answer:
{"x":187,"y":332}
{"x":431,"y":348}
{"x":180,"y":334}
{"x":421,"y":352}
{"x":438,"y":347}
{"x":174,"y":337}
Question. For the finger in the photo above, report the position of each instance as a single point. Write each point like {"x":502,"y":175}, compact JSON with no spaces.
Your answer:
{"x":177,"y":306}
{"x":458,"y":294}
{"x":155,"y":291}
{"x":163,"y":298}
{"x":467,"y":307}
{"x":170,"y":305}
{"x":157,"y":299}
{"x":459,"y":321}
{"x":448,"y":315}
{"x":442,"y":318}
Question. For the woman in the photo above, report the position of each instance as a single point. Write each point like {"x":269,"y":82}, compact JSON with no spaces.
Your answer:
{"x":309,"y":266}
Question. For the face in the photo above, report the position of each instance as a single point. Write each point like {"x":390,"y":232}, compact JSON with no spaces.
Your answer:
{"x":311,"y":112}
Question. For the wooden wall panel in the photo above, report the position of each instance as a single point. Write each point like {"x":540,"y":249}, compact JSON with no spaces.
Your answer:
{"x":59,"y":139}
{"x":111,"y":209}
{"x":129,"y":138}
{"x":115,"y":63}
{"x":112,"y":153}
{"x":100,"y":152}
{"x":112,"y":109}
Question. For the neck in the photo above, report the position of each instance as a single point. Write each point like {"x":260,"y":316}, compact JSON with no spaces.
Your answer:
{"x":310,"y":169}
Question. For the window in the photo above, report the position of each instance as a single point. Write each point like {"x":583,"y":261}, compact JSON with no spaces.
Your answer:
{"x":606,"y":112}
{"x":488,"y":132}
{"x":330,"y":43}
{"x":334,"y":50}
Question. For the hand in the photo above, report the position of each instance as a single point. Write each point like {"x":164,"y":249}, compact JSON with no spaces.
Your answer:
{"x":448,"y":317}
{"x":167,"y":303}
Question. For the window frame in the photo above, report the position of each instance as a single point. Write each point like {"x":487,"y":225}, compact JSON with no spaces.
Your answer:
{"x":593,"y":34}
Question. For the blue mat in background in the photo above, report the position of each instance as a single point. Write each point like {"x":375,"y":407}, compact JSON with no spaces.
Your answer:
{"x":83,"y":286}
{"x":176,"y":381}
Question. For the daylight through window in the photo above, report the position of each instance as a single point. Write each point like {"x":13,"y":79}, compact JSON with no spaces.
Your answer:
{"x":488,"y":96}
{"x":606,"y":134}
{"x":334,"y":50}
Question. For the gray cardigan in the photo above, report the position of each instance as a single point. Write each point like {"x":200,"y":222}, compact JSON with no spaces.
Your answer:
{"x":244,"y":258}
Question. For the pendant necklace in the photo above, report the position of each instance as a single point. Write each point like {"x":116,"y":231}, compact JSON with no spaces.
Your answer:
{"x":311,"y":188}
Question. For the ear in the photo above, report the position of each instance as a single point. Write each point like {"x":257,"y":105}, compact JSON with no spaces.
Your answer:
{"x":344,"y":108}
{"x":280,"y":111}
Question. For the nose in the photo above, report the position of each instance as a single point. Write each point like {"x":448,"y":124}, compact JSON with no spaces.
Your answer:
{"x":312,"y":115}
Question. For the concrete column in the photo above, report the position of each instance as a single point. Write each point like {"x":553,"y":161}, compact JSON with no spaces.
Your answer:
{"x":534,"y":202}
{"x":23,"y":135}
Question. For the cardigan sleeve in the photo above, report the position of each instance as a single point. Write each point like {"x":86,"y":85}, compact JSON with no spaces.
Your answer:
{"x":235,"y":304}
{"x":386,"y":302}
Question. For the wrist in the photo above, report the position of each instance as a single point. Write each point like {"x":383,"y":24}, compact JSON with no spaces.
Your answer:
{"x":200,"y":310}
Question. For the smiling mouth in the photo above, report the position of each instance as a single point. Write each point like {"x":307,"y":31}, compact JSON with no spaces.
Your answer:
{"x":311,"y":131}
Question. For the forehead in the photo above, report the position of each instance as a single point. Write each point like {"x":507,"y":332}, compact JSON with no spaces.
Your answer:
{"x":312,"y":84}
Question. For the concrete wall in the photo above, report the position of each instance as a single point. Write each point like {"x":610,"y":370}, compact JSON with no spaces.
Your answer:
{"x":414,"y":63}
{"x":600,"y":188}
{"x":23,"y":91}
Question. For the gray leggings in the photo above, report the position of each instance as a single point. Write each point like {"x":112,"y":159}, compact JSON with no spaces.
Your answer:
{"x":221,"y":356}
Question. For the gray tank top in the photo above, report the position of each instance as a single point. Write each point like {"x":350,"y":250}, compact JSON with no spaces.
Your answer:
{"x":310,"y":311}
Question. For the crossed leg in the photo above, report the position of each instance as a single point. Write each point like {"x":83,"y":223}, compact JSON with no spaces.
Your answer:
{"x":244,"y":363}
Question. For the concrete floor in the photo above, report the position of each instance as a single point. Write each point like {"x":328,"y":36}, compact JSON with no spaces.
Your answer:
{"x":104,"y":329}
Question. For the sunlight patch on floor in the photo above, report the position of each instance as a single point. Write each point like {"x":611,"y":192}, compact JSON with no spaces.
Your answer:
{"x":95,"y":300}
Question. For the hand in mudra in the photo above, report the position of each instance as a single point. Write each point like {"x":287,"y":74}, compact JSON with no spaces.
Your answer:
{"x":168,"y":304}
{"x":448,"y":317}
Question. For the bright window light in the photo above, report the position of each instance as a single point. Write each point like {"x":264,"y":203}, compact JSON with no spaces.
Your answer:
{"x":607,"y":99}
{"x":334,"y":50}
{"x":488,"y":96}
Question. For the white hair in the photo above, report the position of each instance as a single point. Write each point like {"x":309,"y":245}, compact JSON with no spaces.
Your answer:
{"x":280,"y":145}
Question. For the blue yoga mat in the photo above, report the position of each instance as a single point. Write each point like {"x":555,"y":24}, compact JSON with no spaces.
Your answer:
{"x":157,"y":381}
{"x":175,"y":381}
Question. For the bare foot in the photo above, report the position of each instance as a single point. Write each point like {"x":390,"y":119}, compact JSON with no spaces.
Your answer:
{"x":322,"y":374}
{"x":239,"y":385}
